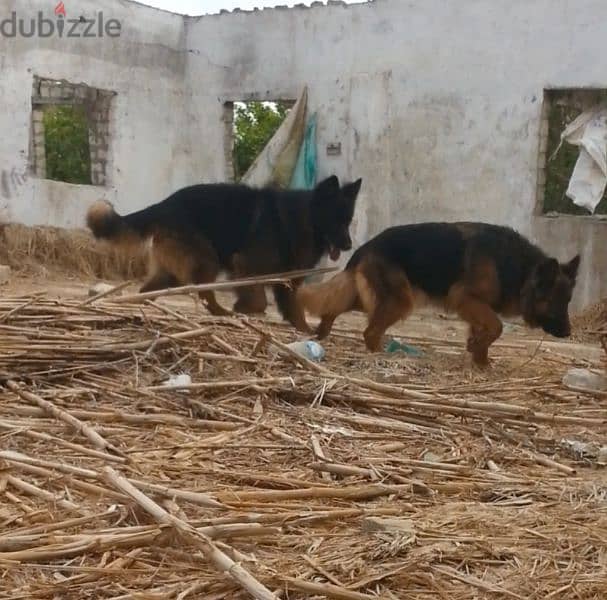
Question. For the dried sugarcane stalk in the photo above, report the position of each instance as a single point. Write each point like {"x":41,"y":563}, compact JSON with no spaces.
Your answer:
{"x":279,"y":278}
{"x":327,"y":590}
{"x":363,"y":492}
{"x":77,"y":447}
{"x":47,"y":467}
{"x":64,"y":416}
{"x":214,"y":555}
{"x":33,"y":490}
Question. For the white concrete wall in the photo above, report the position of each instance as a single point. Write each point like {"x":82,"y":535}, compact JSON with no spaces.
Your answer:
{"x":436,"y":103}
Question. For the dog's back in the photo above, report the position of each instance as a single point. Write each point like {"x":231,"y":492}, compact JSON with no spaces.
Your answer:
{"x":435,"y":256}
{"x":220,"y":212}
{"x":431,"y":254}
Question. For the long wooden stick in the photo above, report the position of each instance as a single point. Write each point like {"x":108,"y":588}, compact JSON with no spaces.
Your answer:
{"x":276,"y":279}
{"x":219,"y":385}
{"x":221,"y":561}
{"x":361,"y":492}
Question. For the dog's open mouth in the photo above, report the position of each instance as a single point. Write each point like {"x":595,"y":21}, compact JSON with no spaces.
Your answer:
{"x":334,"y":253}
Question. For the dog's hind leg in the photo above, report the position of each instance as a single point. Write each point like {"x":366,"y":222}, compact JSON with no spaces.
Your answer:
{"x":206,"y":271}
{"x":386,"y":295}
{"x":329,"y":299}
{"x":290,"y":309}
{"x":250,"y":300}
{"x":192,"y":259}
{"x":326,"y":322}
{"x":159,"y":277}
{"x":212,"y":305}
{"x":387,"y":312}
{"x":328,"y":319}
{"x":159,"y":281}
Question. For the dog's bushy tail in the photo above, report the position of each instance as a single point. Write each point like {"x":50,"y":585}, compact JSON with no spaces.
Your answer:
{"x":127,"y":232}
{"x":333,"y":297}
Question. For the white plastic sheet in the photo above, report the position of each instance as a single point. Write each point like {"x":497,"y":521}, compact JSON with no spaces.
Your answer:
{"x":589,"y":177}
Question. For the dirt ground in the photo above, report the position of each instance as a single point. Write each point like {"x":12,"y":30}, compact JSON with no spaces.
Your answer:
{"x":364,"y":476}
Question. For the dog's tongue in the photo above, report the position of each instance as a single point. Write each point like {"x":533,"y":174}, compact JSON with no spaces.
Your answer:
{"x":334,"y":253}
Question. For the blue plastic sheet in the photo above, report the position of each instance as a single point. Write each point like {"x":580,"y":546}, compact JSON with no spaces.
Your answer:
{"x":306,"y":167}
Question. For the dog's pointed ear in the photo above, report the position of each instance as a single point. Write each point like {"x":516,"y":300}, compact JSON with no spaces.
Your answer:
{"x":571,"y":268}
{"x":546,"y":273}
{"x":328,"y":186}
{"x":351,"y":190}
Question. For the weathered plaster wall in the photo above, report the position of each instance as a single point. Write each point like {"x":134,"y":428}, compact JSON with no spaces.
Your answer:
{"x":145,"y":66}
{"x":437,"y":105}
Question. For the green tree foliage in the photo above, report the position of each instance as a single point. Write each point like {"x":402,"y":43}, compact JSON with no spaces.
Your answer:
{"x":66,"y":135}
{"x":254,"y":125}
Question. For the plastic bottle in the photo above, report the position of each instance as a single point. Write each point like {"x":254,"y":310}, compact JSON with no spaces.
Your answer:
{"x":308,"y":349}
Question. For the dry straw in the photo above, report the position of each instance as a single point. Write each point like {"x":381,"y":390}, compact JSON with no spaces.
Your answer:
{"x":367,"y":476}
{"x":33,"y":250}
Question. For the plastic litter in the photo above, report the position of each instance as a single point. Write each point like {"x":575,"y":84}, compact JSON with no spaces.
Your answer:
{"x":511,"y":327}
{"x":586,"y":451}
{"x":176,"y":381}
{"x":308,"y":349}
{"x":583,"y":379}
{"x":394,"y":346}
{"x":100,"y":288}
{"x":580,"y":449}
{"x":431,"y":457}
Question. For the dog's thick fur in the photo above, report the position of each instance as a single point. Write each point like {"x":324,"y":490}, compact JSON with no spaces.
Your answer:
{"x":201,"y":230}
{"x":478,"y":270}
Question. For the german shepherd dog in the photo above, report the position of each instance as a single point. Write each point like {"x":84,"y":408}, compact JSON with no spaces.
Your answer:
{"x":478,"y":270}
{"x":201,"y":230}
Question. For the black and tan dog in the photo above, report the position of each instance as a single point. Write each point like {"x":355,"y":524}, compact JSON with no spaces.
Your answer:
{"x":201,"y":230}
{"x":479,"y":271}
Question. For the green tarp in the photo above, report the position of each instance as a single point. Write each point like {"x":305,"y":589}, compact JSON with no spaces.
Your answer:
{"x":304,"y":175}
